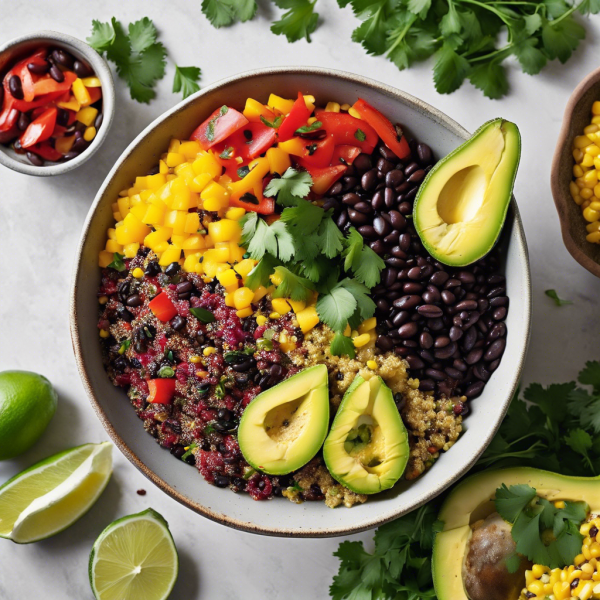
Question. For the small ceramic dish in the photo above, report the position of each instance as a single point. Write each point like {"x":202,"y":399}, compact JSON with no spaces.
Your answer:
{"x":18,"y":49}
{"x":577,"y":116}
{"x":278,"y":516}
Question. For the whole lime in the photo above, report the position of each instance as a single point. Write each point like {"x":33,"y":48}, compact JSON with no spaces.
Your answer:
{"x":27,"y":404}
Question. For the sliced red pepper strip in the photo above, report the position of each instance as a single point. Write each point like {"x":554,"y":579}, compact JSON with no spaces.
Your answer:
{"x":162,"y":307}
{"x":40,"y":129}
{"x":46,"y":100}
{"x":95,"y":94}
{"x":348,"y":130}
{"x":161,"y":390}
{"x":266,"y":206}
{"x":8,"y":125}
{"x":345,"y":154}
{"x":47,"y":85}
{"x":46,"y":151}
{"x":323,"y":178}
{"x":297,"y":118}
{"x":317,"y":153}
{"x":24,"y":74}
{"x":393,"y":139}
{"x":220,"y":125}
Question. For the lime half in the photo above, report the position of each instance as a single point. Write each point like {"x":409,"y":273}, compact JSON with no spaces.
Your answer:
{"x":134,"y":558}
{"x":54,"y":493}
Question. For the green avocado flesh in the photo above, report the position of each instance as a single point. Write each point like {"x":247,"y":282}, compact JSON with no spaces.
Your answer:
{"x":284,"y":427}
{"x":472,"y":500}
{"x":367,"y":447}
{"x":462,"y":204}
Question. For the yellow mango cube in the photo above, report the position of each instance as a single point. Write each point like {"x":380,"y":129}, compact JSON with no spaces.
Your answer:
{"x":297,"y":305}
{"x":235,"y":213}
{"x":279,"y":160}
{"x":189,"y":149}
{"x":113,"y":246}
{"x":131,"y":250}
{"x":218,"y":255}
{"x":80,"y":92}
{"x":280,"y":104}
{"x":225,"y":230}
{"x":192,"y":223}
{"x":175,"y":219}
{"x":104,"y":259}
{"x":207,"y":163}
{"x":307,"y":318}
{"x":193,"y":242}
{"x":280,"y":305}
{"x":245,"y":266}
{"x":155,"y":214}
{"x":227,"y":278}
{"x":170,"y":255}
{"x":260,"y":292}
{"x":200,"y":182}
{"x":174,"y":159}
{"x":190,"y":262}
{"x":87,"y":115}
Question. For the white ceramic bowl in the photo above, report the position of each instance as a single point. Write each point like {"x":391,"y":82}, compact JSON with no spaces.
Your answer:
{"x":18,"y":49}
{"x":185,"y":484}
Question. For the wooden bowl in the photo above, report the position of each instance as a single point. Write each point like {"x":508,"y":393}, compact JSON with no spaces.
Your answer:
{"x":572,"y":223}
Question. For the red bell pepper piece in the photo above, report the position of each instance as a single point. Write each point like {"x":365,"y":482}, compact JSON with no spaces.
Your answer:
{"x":347,"y":129}
{"x":46,"y":101}
{"x":297,"y":118}
{"x":318,"y":153}
{"x":46,"y":151}
{"x":162,"y":307}
{"x":47,"y":85}
{"x":95,"y":94}
{"x":24,"y":74}
{"x":323,"y":178}
{"x":161,"y":390}
{"x":345,"y":154}
{"x":220,"y":125}
{"x":390,"y":135}
{"x":265,"y":206}
{"x":40,"y":129}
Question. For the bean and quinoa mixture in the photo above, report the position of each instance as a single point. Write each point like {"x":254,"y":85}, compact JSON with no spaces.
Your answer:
{"x":193,"y":345}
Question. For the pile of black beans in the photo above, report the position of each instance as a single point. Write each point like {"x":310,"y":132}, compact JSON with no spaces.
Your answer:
{"x":448,"y":323}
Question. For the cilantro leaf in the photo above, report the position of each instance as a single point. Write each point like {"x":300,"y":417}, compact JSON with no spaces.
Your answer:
{"x":102,"y":37}
{"x":290,"y":187}
{"x":186,"y":81}
{"x":285,"y":242}
{"x":590,"y":375}
{"x":510,"y":502}
{"x":248,"y":223}
{"x":364,"y":302}
{"x":203,"y":315}
{"x":298,"y":22}
{"x":308,"y":128}
{"x":552,"y":400}
{"x":117,"y":263}
{"x":304,"y":218}
{"x":292,"y":286}
{"x":342,"y":346}
{"x":264,"y":240}
{"x":360,"y":135}
{"x":330,"y":237}
{"x":531,"y":58}
{"x":227,"y":153}
{"x":261,"y":272}
{"x":449,"y":70}
{"x":222,"y":13}
{"x":558,"y":301}
{"x":370,"y":267}
{"x":490,"y":78}
{"x":274,"y":124}
{"x":562,"y":39}
{"x":354,"y":244}
{"x":142,"y":34}
{"x":336,"y":307}
{"x":580,"y":441}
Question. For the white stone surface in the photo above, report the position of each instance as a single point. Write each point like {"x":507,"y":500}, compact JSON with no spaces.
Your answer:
{"x":40,"y":221}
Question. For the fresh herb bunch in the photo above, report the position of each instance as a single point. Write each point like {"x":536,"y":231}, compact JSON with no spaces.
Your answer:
{"x":556,"y":428}
{"x":532,"y":519}
{"x":140,"y":58}
{"x":307,"y":252}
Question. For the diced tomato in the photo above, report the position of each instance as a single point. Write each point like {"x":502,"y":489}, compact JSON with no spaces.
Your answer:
{"x":296,"y":119}
{"x":348,"y":130}
{"x":47,"y":85}
{"x":161,"y":390}
{"x":220,"y":125}
{"x":162,"y":307}
{"x":263,"y":138}
{"x":391,"y":136}
{"x":345,"y":154}
{"x":323,"y":178}
{"x":46,"y":151}
{"x":40,"y":129}
{"x":248,"y":142}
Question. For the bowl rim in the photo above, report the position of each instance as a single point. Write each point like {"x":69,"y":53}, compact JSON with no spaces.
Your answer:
{"x":102,"y":71}
{"x":221,"y":518}
{"x":561,"y":197}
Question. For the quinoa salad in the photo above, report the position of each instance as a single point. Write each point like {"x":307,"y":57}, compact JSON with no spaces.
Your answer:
{"x":275,"y":239}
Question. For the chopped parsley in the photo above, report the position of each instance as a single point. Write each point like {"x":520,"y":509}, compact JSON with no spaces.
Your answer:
{"x":308,"y":128}
{"x":189,"y":452}
{"x":124,"y":346}
{"x":227,"y":153}
{"x":117,"y":263}
{"x":558,"y":301}
{"x":274,"y":124}
{"x":186,"y":80}
{"x":203,"y":315}
{"x":243,"y":171}
{"x":360,"y":135}
{"x":166,"y":372}
{"x":210,"y":128}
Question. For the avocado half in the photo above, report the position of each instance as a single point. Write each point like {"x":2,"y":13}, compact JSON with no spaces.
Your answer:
{"x":284,"y":427}
{"x":472,"y":500}
{"x":367,"y":447}
{"x":462,"y":203}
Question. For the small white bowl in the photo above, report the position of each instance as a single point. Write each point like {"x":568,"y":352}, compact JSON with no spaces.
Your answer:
{"x":280,"y":517}
{"x":17,"y":49}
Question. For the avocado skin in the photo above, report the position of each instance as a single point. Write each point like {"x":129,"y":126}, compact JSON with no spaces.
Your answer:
{"x":472,"y":500}
{"x":267,"y":455}
{"x":425,"y":211}
{"x":370,"y":397}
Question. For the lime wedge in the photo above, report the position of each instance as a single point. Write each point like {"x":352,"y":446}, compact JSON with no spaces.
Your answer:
{"x":134,"y":557}
{"x":54,"y":493}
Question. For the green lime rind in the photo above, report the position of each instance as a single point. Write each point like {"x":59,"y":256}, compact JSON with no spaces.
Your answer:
{"x":41,"y":466}
{"x":148,"y":514}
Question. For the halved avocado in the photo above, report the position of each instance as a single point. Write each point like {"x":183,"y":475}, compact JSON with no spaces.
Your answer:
{"x":462,"y":204}
{"x":472,"y":500}
{"x":367,"y":447}
{"x":284,"y":427}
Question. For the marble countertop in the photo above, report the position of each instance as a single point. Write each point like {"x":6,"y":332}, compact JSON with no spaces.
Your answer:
{"x":40,"y":222}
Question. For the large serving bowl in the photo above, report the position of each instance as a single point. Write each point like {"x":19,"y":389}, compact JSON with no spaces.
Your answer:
{"x":179,"y":480}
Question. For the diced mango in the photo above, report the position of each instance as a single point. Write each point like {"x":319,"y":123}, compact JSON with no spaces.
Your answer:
{"x":170,"y":255}
{"x":207,"y":163}
{"x":280,"y":305}
{"x":130,"y":250}
{"x":243,"y":297}
{"x":235,"y":213}
{"x":80,"y":92}
{"x":279,"y":160}
{"x":189,"y":149}
{"x":225,"y":230}
{"x":260,"y":292}
{"x":200,"y":182}
{"x":307,"y":318}
{"x":297,"y":305}
{"x":104,"y":259}
{"x":245,"y":266}
{"x":87,"y":115}
{"x":281,"y":104}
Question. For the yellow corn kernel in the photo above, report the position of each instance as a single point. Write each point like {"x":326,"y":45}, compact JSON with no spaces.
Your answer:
{"x":281,"y":306}
{"x":577,"y":155}
{"x":87,"y":115}
{"x":242,"y":297}
{"x":589,"y":214}
{"x":104,"y":333}
{"x":229,"y":300}
{"x":586,"y":591}
{"x":361,"y":340}
{"x":367,"y":325}
{"x":573,"y":189}
{"x":591,"y":177}
{"x":80,"y":92}
{"x":577,"y":171}
{"x":561,"y":590}
{"x":280,"y":104}
{"x":310,"y":102}
{"x":581,"y":141}
{"x":591,"y":227}
{"x":89,"y":134}
{"x":195,"y":359}
{"x":227,"y":277}
{"x":138,"y":273}
{"x":538,"y":570}
{"x":332,"y":107}
{"x":587,"y":160}
{"x":235,"y":213}
{"x":587,"y":570}
{"x":274,"y":315}
{"x":279,"y":160}
{"x":354,"y":113}
{"x":586,"y":193}
{"x":244,"y":312}
{"x":307,"y":318}
{"x":311,"y":120}
{"x":208,"y":351}
{"x":260,"y":292}
{"x":261,"y":320}
{"x":287,"y":346}
{"x":592,"y":128}
{"x":372,"y":365}
{"x":537,"y":588}
{"x":170,"y":255}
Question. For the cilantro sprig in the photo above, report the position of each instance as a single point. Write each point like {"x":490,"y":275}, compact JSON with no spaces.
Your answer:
{"x":140,"y":59}
{"x":557,"y":300}
{"x":306,"y":252}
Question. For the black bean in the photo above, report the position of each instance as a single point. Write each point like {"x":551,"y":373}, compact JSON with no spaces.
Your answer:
{"x":80,"y":145}
{"x":408,"y":330}
{"x":152,"y":269}
{"x":23,"y":121}
{"x":426,"y":385}
{"x":499,"y":301}
{"x":441,"y":341}
{"x":425,"y":154}
{"x":469,"y":340}
{"x":381,"y":226}
{"x":426,"y":340}
{"x":369,"y":180}
{"x":439,"y":278}
{"x":244,"y":365}
{"x":394,"y":178}
{"x":221,"y":481}
{"x":382,"y":305}
{"x":411,"y":168}
{"x":495,"y":350}
{"x":445,"y":352}
{"x":455,"y":333}
{"x":414,"y":362}
{"x":172,"y":269}
{"x":474,"y":390}
{"x":82,"y":69}
{"x":384,"y":165}
{"x":177,"y":322}
{"x":448,"y":297}
{"x":497,"y":331}
{"x":430,"y":311}
{"x":134,"y":300}
{"x":435,"y":374}
{"x":400,"y":318}
{"x":57,"y":74}
{"x":407,"y":302}
{"x":387,"y":153}
{"x":499,"y":313}
{"x":38,"y":68}
{"x":357,"y":218}
{"x":435,"y":324}
{"x":388,"y":276}
{"x":63,"y":58}
{"x":378,"y":201}
{"x":15,"y":87}
{"x":384,"y":343}
{"x":454,"y":373}
{"x":367,"y":231}
{"x":497,"y":291}
{"x":362,"y":162}
{"x":412,"y":287}
{"x":481,"y":372}
{"x":467,"y":305}
{"x":184,"y":290}
{"x":34,"y":159}
{"x":474,"y":356}
{"x":417,"y":176}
